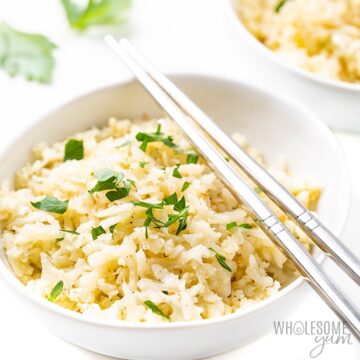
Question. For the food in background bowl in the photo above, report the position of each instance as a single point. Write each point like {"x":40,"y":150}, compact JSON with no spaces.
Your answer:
{"x":321,"y":36}
{"x":129,"y":223}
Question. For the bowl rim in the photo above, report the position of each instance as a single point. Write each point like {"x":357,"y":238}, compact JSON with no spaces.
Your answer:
{"x":30,"y":295}
{"x":275,"y":58}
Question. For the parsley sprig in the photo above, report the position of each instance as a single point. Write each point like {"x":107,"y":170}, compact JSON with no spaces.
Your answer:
{"x":74,"y":150}
{"x":234,"y":224}
{"x":155,"y":309}
{"x":56,"y":291}
{"x":51,"y":204}
{"x":29,"y":55}
{"x":156,"y":136}
{"x":180,"y":215}
{"x":221,"y":259}
{"x":109,"y":179}
{"x":95,"y":12}
{"x":280,"y":5}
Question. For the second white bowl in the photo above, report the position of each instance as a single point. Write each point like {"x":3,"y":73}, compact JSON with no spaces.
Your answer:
{"x":336,"y":102}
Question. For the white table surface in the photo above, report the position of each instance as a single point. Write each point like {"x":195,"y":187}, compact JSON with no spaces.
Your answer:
{"x":177,"y":35}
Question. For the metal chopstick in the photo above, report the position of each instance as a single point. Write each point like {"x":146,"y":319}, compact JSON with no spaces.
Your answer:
{"x":317,"y":231}
{"x":267,"y":220}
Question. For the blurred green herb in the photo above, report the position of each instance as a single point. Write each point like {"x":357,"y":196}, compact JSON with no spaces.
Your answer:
{"x":56,"y":291}
{"x":185,"y":186}
{"x":95,"y":12}
{"x":156,"y":136}
{"x":109,"y":179}
{"x":29,"y":55}
{"x":221,"y":259}
{"x":74,"y":150}
{"x":97,"y":231}
{"x":51,"y":204}
{"x":178,"y":205}
{"x":176,"y":172}
{"x":70,"y":231}
{"x":233,"y":224}
{"x":280,"y":5}
{"x":155,"y":309}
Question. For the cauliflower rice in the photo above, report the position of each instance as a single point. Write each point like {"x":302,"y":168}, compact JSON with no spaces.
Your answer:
{"x":107,"y":263}
{"x":322,"y":36}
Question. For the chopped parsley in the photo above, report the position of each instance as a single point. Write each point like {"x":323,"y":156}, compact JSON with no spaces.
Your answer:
{"x":112,"y":227}
{"x":185,"y":186}
{"x":178,"y":205}
{"x":156,"y":136}
{"x":109,"y":179}
{"x":95,"y":13}
{"x":165,"y":292}
{"x":74,"y":150}
{"x":59,"y":239}
{"x":142,"y":164}
{"x":125,"y":143}
{"x":29,"y":55}
{"x":181,"y":216}
{"x":56,"y":291}
{"x":51,"y":204}
{"x":280,"y":5}
{"x":70,"y":231}
{"x":192,"y":156}
{"x":171,"y":200}
{"x":233,"y":224}
{"x":176,"y":172}
{"x":155,"y":309}
{"x":97,"y":231}
{"x":258,"y":190}
{"x":221,"y":259}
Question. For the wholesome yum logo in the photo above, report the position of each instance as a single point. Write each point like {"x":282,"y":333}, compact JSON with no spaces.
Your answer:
{"x":324,"y":332}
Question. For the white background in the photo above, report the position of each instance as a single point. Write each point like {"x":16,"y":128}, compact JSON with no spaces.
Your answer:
{"x":177,"y":35}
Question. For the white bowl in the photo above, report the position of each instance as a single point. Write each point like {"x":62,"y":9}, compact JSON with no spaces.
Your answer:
{"x":275,"y":125}
{"x":336,"y":102}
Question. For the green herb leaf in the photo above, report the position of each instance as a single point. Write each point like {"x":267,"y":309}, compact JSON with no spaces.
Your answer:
{"x":97,"y":231}
{"x":233,"y":224}
{"x":29,"y":55}
{"x":280,"y":5}
{"x":176,"y":172}
{"x":112,"y":227}
{"x":178,"y":205}
{"x":59,"y":239}
{"x":165,"y":292}
{"x":70,"y":231}
{"x":156,"y":136}
{"x":181,"y":216}
{"x":51,"y":204}
{"x":100,"y":12}
{"x":56,"y":291}
{"x":74,"y":150}
{"x":258,"y":190}
{"x":118,"y":194}
{"x":171,"y":200}
{"x":148,"y":205}
{"x":108,"y":179}
{"x":143,"y":163}
{"x":127,"y":142}
{"x":155,"y":309}
{"x":185,"y":186}
{"x":192,"y":158}
{"x":221,"y":259}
